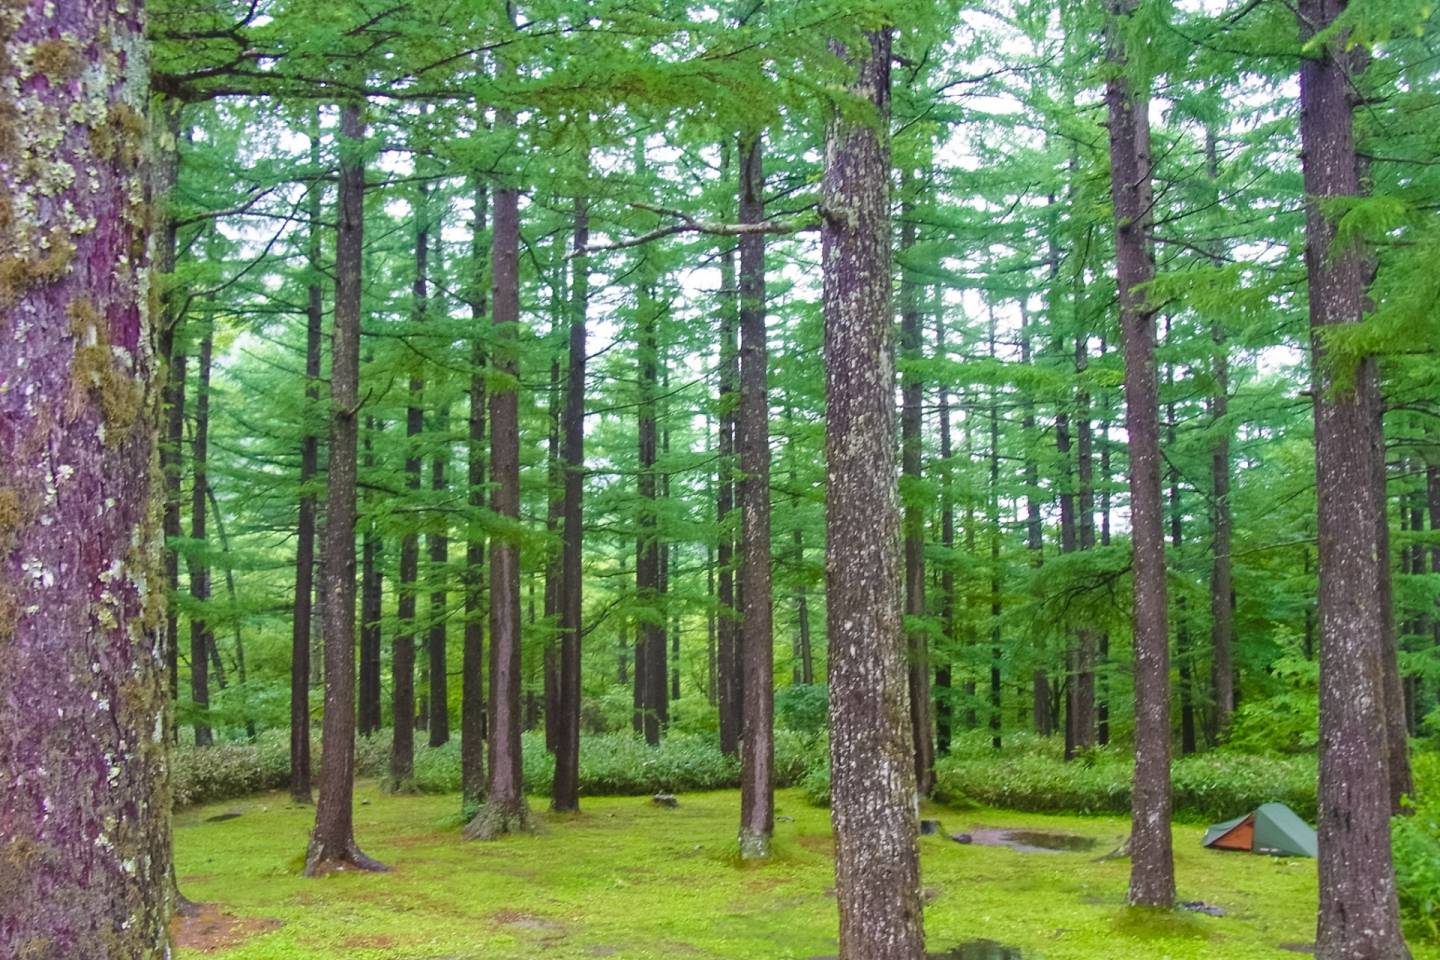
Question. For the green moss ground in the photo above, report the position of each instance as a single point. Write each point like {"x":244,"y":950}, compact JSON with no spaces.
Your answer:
{"x":629,"y":880}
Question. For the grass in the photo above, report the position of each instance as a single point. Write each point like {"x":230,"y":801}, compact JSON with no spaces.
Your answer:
{"x":630,"y":880}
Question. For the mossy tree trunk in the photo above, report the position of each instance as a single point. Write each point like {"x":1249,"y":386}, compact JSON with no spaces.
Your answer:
{"x":1359,"y":912}
{"x":85,"y":827}
{"x":873,"y":798}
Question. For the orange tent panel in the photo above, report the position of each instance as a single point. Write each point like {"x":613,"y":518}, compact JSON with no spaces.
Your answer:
{"x":1242,"y":837}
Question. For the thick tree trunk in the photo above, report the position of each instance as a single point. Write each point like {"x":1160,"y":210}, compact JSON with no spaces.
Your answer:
{"x":1152,"y":874}
{"x":1358,"y":915}
{"x":757,"y":748}
{"x":305,"y":528}
{"x":566,"y":787}
{"x":332,"y":842}
{"x":472,"y":671}
{"x":873,"y":798}
{"x":728,"y":639}
{"x":911,"y":423}
{"x":85,"y":827}
{"x":505,"y":808}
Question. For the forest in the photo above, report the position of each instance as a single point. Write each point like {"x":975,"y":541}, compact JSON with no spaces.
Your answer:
{"x":859,"y":479}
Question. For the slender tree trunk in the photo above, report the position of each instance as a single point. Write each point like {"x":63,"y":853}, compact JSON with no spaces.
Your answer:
{"x":873,"y":797}
{"x":911,"y":422}
{"x":401,"y":777}
{"x":1152,"y":874}
{"x":994,"y":522}
{"x":1359,"y":913}
{"x":305,"y":531}
{"x":1397,"y":741}
{"x":1034,"y":531}
{"x":1083,"y":728}
{"x":1102,"y":680}
{"x":201,"y":638}
{"x":555,"y":494}
{"x":650,"y":639}
{"x":1177,"y":542}
{"x":727,"y":647}
{"x":566,"y":787}
{"x":231,"y":594}
{"x":944,"y":707}
{"x":1222,"y":617}
{"x":757,"y":750}
{"x":170,"y":352}
{"x":505,"y":808}
{"x":472,"y":671}
{"x":332,"y":842}
{"x":438,"y":544}
{"x":85,"y":827}
{"x":372,"y":593}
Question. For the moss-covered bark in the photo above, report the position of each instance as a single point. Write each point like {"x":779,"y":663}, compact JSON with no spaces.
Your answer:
{"x":84,"y":811}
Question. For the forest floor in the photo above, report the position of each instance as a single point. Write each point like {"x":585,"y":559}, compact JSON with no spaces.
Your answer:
{"x":634,"y":881}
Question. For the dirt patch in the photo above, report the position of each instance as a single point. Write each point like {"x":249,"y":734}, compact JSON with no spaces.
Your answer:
{"x":207,"y":929}
{"x":377,"y":941}
{"x":817,"y":842}
{"x":1028,"y":841}
{"x":549,"y":929}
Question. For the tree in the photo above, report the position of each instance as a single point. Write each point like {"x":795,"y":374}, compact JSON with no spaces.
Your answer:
{"x":873,"y":799}
{"x":85,"y":822}
{"x":1359,"y":913}
{"x":757,"y":749}
{"x":505,"y":809}
{"x":332,"y":842}
{"x":1152,"y":875}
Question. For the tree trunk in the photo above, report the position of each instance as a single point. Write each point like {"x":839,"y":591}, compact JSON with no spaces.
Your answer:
{"x":1177,"y":542}
{"x":438,"y":544}
{"x":994,"y":521}
{"x":1222,"y":610}
{"x":170,"y":352}
{"x":472,"y":671}
{"x":757,"y":749}
{"x":505,"y":808}
{"x":401,"y":776}
{"x":372,"y":594}
{"x":1034,"y":530}
{"x":944,"y":706}
{"x":305,"y":529}
{"x":1358,"y":914}
{"x":873,"y":798}
{"x":1102,"y":680}
{"x":911,"y":423}
{"x":1397,"y":741}
{"x":1152,"y":874}
{"x":332,"y":842}
{"x":201,"y":637}
{"x":1085,"y":640}
{"x":85,"y":832}
{"x":566,"y":787}
{"x":727,"y":642}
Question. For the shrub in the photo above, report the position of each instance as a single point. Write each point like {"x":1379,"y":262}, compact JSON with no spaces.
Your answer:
{"x":1416,"y":843}
{"x":803,"y":707}
{"x":225,"y":770}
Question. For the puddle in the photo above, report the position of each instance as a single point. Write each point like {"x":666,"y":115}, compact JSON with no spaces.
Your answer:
{"x":1031,"y":841}
{"x":969,"y":950}
{"x":979,"y":950}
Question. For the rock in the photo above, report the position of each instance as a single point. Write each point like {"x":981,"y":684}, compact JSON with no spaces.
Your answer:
{"x":929,"y":827}
{"x":665,"y":800}
{"x":962,"y":838}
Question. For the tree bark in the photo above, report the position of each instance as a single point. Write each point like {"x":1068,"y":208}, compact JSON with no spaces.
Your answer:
{"x":566,"y":787}
{"x":1034,"y":530}
{"x":170,"y":352}
{"x":472,"y":671}
{"x":944,"y":706}
{"x":911,"y":423}
{"x":995,"y":572}
{"x":1222,"y":609}
{"x":1152,"y":874}
{"x":85,"y":820}
{"x":305,"y":526}
{"x":1358,"y":915}
{"x":757,"y":749}
{"x":438,"y":546}
{"x":372,"y":595}
{"x":332,"y":842}
{"x":201,"y":637}
{"x":505,"y":808}
{"x":1084,"y":678}
{"x":873,"y":797}
{"x":727,"y":642}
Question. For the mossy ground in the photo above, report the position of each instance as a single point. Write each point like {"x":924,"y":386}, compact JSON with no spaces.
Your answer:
{"x":631,"y":880}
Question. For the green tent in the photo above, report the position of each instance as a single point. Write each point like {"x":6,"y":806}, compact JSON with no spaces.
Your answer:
{"x":1272,"y":828}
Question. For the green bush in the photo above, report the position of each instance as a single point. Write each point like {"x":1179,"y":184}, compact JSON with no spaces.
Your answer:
{"x":225,"y":770}
{"x":1416,"y":843}
{"x":803,"y":707}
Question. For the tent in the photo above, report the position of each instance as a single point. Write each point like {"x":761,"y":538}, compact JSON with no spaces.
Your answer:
{"x":1272,"y":828}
